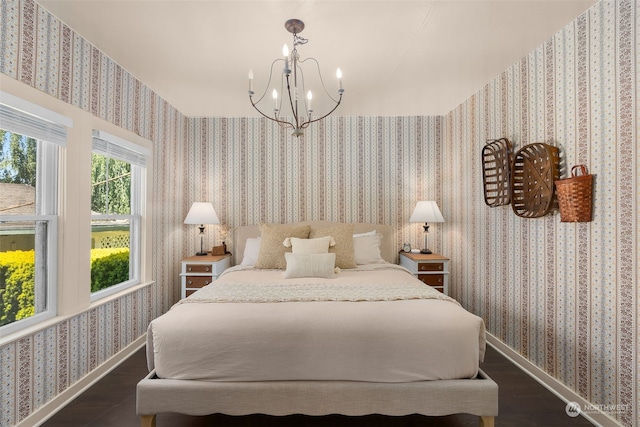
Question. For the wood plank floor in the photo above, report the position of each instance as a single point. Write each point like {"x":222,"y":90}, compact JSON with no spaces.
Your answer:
{"x":111,"y":402}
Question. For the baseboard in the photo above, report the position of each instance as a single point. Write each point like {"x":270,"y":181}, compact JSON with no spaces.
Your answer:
{"x":50,"y":408}
{"x":594,"y":416}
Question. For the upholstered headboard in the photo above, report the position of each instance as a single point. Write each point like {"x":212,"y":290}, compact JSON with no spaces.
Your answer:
{"x":388,"y":248}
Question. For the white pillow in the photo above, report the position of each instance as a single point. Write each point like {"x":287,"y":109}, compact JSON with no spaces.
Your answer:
{"x":366,"y":249}
{"x":310,"y":265}
{"x":309,"y":246}
{"x":251,"y":251}
{"x":368,"y":233}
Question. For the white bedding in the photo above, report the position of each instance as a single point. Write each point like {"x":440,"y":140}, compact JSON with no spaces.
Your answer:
{"x":377,"y":323}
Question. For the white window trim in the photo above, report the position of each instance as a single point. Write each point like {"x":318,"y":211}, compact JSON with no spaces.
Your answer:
{"x":138,"y":160}
{"x":41,"y":122}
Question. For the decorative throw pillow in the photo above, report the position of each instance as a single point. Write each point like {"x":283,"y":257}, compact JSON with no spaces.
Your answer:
{"x":272,"y":250}
{"x":366,"y":249}
{"x":310,"y":265}
{"x":251,"y":251}
{"x":309,"y":246}
{"x":343,"y":235}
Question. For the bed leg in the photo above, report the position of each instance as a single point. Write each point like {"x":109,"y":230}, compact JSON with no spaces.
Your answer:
{"x":148,"y":420}
{"x":487,"y":421}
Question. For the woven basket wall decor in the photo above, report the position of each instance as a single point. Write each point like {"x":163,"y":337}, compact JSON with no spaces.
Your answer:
{"x":497,"y":156}
{"x":575,"y":196}
{"x":534,"y":170}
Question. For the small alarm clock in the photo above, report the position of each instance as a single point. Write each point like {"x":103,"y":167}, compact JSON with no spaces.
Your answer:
{"x":406,"y":247}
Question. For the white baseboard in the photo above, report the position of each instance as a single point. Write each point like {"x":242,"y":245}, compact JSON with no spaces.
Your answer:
{"x":594,"y":416}
{"x":50,"y":408}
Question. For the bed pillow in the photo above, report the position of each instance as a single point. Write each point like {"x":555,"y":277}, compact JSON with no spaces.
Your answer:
{"x":366,"y":249}
{"x":251,"y":251}
{"x":343,"y":235}
{"x":272,"y":250}
{"x":310,"y":265}
{"x":309,"y":246}
{"x":368,"y":233}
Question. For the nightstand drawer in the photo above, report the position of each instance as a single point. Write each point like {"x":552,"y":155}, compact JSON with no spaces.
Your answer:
{"x":198,"y":268}
{"x":197,"y":281}
{"x":432,"y":279}
{"x":430,"y":266}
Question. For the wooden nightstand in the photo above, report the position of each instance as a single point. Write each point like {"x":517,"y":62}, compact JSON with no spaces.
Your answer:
{"x":432,"y":269}
{"x":199,"y":271}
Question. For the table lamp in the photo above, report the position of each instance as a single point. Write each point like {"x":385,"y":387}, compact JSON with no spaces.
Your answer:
{"x":202,"y":213}
{"x":426,"y":211}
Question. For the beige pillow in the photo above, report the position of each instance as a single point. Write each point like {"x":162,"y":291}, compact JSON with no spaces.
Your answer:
{"x":309,"y":246}
{"x":271,"y":254}
{"x":343,"y":235}
{"x":310,"y":265}
{"x":366,"y":249}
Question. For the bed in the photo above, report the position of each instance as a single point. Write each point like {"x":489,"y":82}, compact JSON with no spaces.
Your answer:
{"x":253,"y":342}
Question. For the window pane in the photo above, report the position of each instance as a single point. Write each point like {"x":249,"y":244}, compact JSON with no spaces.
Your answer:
{"x":22,"y":265}
{"x":18,"y":161}
{"x":110,"y":253}
{"x":110,"y":186}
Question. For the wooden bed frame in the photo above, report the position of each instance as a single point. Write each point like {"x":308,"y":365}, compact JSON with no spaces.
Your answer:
{"x":478,"y":396}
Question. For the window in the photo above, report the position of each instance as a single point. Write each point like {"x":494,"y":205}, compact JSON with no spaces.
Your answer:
{"x":117,"y":189}
{"x":31,"y":137}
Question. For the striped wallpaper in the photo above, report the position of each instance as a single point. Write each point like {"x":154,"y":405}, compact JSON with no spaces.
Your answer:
{"x":352,"y":169}
{"x":40,"y":51}
{"x":565,"y":296}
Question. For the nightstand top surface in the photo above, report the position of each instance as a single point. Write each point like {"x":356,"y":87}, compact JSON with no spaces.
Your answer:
{"x":424,"y":257}
{"x":205,"y":258}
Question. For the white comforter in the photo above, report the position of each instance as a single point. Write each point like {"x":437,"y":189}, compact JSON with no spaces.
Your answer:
{"x":377,"y":323}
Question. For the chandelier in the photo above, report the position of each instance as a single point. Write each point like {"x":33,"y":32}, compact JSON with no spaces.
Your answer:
{"x":300,"y":114}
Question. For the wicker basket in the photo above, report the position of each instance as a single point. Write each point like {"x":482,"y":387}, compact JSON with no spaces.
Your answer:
{"x":535,"y":168}
{"x":575,"y":196}
{"x":497,"y":156}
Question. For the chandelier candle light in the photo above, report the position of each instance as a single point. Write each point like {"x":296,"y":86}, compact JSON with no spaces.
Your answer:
{"x":202,"y":213}
{"x":293,"y":78}
{"x":426,"y":211}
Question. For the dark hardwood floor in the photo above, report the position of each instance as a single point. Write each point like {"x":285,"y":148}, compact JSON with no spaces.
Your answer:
{"x":111,"y":402}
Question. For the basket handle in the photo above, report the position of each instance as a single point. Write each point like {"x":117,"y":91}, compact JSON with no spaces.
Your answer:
{"x":583,"y":169}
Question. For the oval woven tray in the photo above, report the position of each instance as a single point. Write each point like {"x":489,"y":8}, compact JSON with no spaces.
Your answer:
{"x":497,"y":156}
{"x":535,"y":168}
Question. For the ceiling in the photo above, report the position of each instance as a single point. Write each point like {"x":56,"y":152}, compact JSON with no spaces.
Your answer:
{"x":397,"y":57}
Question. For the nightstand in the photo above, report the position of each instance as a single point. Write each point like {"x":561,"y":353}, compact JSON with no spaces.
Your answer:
{"x":431,"y":269}
{"x":199,"y":271}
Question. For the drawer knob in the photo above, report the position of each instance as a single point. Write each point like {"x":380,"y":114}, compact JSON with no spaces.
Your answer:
{"x":207,"y":269}
{"x":188,"y":268}
{"x":189,"y":282}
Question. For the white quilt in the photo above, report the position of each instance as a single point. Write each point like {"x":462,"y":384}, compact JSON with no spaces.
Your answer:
{"x":378,"y":323}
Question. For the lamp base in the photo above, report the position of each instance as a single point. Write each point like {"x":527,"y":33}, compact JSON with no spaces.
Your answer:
{"x":202,"y":254}
{"x":425,"y":251}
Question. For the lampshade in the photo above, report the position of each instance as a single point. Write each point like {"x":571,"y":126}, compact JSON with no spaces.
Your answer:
{"x":426,"y":211}
{"x":202,"y":213}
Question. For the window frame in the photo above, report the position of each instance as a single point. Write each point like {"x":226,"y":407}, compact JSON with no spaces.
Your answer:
{"x":48,"y":128}
{"x":120,"y":149}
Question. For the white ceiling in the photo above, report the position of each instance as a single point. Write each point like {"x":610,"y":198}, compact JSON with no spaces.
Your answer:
{"x":397,"y":57}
